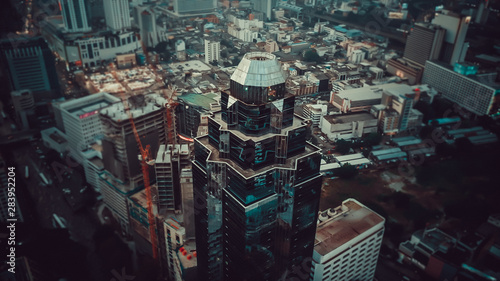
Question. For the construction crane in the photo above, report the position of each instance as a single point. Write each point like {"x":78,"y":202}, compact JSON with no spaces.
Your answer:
{"x":146,"y":161}
{"x":170,"y":93}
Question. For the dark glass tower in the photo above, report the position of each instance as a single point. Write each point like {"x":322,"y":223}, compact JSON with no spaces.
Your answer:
{"x":256,"y":180}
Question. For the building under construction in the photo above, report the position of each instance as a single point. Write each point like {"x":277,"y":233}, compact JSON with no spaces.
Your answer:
{"x":123,"y":174}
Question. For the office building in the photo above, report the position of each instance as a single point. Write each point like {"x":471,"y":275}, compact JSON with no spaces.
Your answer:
{"x":348,"y":126}
{"x":475,"y":93}
{"x":194,"y":7}
{"x":424,"y":43}
{"x":406,"y":70}
{"x":82,"y":123}
{"x":30,"y":65}
{"x":117,"y":14}
{"x":347,"y":245}
{"x":256,"y":180}
{"x":264,"y":6}
{"x":454,"y":47}
{"x":75,"y":15}
{"x":145,"y":19}
{"x":212,"y":51}
{"x":315,"y":112}
{"x":24,"y":105}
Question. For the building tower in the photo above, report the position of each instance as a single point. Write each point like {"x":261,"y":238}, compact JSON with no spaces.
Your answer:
{"x":75,"y":15}
{"x":256,"y":180}
{"x":454,"y":46}
{"x":424,"y":43}
{"x":193,"y":7}
{"x":30,"y":66}
{"x":117,"y":14}
{"x":212,"y":51}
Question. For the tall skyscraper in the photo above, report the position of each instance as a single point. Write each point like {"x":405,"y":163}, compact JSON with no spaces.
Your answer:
{"x":117,"y":14}
{"x":30,"y":66}
{"x":256,"y":180}
{"x":454,"y":48}
{"x":75,"y":15}
{"x":212,"y":51}
{"x":424,"y":43}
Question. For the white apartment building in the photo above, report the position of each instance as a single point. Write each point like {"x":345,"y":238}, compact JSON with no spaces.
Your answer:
{"x":81,"y":121}
{"x":212,"y":51}
{"x":347,"y":245}
{"x":315,"y":112}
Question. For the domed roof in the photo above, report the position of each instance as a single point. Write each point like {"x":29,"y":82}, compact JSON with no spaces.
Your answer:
{"x":259,"y":69}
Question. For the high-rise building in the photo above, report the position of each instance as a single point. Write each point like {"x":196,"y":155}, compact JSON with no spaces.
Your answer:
{"x":256,"y":180}
{"x":145,"y":19}
{"x":424,"y":43}
{"x":30,"y":66}
{"x":212,"y":51}
{"x":454,"y":49}
{"x":193,"y":7}
{"x":117,"y":14}
{"x":75,"y":15}
{"x":347,"y":245}
{"x":264,"y":6}
{"x":122,"y":176}
{"x":476,"y":93}
{"x":82,"y":124}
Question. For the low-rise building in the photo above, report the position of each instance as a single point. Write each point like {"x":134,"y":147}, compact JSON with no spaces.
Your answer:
{"x":347,"y":126}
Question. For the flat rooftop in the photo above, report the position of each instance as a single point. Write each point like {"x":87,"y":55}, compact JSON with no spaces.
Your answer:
{"x":349,"y":118}
{"x":373,"y":92}
{"x":350,"y":221}
{"x":198,"y":100}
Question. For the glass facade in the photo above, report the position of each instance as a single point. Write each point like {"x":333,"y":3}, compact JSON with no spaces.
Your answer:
{"x":257,"y":186}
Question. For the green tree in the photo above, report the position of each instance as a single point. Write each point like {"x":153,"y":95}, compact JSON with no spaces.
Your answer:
{"x":311,"y":55}
{"x":343,"y":146}
{"x":347,"y":171}
{"x":372,"y":139}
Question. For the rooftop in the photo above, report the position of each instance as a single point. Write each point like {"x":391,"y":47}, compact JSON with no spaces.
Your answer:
{"x":373,"y":92}
{"x":347,"y":222}
{"x":259,"y":69}
{"x":350,"y":117}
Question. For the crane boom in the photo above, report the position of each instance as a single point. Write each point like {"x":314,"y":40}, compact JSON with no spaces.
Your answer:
{"x":145,"y":160}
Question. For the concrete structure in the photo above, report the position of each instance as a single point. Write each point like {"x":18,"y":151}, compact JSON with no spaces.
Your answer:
{"x":212,"y":51}
{"x":315,"y":112}
{"x":24,"y":106}
{"x":30,"y":65}
{"x":476,"y":93}
{"x":347,"y":245}
{"x":454,"y":48}
{"x":82,"y":123}
{"x":120,"y":151}
{"x":55,"y":139}
{"x":252,"y":221}
{"x":89,"y":49}
{"x":117,"y":14}
{"x":170,"y":160}
{"x":405,"y":69}
{"x":424,"y":43}
{"x":348,"y":126}
{"x":75,"y":15}
{"x":359,"y":99}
